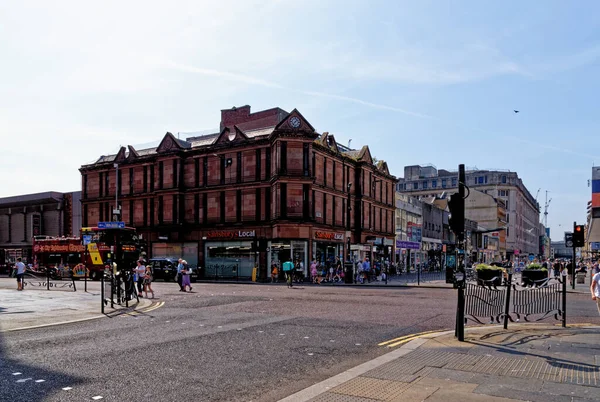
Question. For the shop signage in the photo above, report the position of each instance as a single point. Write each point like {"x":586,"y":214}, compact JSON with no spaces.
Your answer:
{"x":388,"y":242}
{"x":58,"y":248}
{"x":230,"y":234}
{"x":329,"y":236}
{"x":414,"y":231}
{"x":408,"y":244}
{"x":595,"y":245}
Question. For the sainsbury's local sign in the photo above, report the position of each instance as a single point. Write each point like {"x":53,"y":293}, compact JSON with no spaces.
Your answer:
{"x":231,"y":234}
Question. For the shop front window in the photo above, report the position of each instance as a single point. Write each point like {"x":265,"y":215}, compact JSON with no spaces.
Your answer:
{"x":286,"y":250}
{"x":229,"y":260}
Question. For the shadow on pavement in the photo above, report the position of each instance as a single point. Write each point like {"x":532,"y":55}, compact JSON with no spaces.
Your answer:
{"x":21,"y":381}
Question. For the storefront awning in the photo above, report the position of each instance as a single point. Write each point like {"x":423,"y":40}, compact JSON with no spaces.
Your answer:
{"x":431,"y":240}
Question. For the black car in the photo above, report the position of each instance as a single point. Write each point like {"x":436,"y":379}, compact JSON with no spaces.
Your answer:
{"x":164,"y":268}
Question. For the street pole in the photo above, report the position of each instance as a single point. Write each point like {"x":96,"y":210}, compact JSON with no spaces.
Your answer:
{"x":116,"y":218}
{"x":460,"y":277}
{"x":573,"y":263}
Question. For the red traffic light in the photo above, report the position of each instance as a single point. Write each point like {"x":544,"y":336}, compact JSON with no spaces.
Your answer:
{"x":578,"y":228}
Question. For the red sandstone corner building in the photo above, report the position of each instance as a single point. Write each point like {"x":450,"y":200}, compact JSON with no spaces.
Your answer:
{"x":265,"y":189}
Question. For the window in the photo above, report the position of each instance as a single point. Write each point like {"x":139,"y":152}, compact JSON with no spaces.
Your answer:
{"x":415,"y":186}
{"x":160,"y":175}
{"x":503,"y":179}
{"x":268,"y":202}
{"x":174,"y":181}
{"x":119,"y":181}
{"x":444,"y":183}
{"x":485,"y":179}
{"x":268,"y":169}
{"x":333,"y":216}
{"x":334,"y":169}
{"x":152,"y":179}
{"x":324,"y":208}
{"x":283,"y":159}
{"x":222,"y":169}
{"x":145,"y":184}
{"x":305,"y":165}
{"x":424,"y":184}
{"x":106,"y":184}
{"x":324,"y":171}
{"x":433,"y":183}
{"x":197,"y":172}
{"x":480,"y":180}
{"x":204,"y":207}
{"x":152,"y":211}
{"x":507,"y":218}
{"x":130,"y":180}
{"x":257,"y":172}
{"x":205,"y":171}
{"x":131,"y":212}
{"x":238,"y":175}
{"x":85,"y":187}
{"x":454,"y":181}
{"x":305,"y":202}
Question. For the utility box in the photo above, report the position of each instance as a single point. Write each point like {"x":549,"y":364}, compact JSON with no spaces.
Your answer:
{"x":348,"y":272}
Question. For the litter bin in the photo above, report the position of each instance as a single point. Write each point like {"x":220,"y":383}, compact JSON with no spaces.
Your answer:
{"x":348,"y":272}
{"x":581,"y":277}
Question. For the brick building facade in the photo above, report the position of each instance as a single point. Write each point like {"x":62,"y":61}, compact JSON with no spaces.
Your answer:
{"x":265,"y":189}
{"x":43,"y":214}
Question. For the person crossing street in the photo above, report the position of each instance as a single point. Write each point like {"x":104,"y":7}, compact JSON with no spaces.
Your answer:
{"x":288,"y":270}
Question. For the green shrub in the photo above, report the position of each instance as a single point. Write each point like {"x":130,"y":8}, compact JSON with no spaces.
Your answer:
{"x":481,"y":267}
{"x":536,"y":266}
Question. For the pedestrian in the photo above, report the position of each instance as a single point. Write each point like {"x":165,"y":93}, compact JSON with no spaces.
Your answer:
{"x":185,"y":276}
{"x":366,"y":268}
{"x":180,"y":275}
{"x":139,"y":273}
{"x":274,"y":273}
{"x":313,"y":271}
{"x":20,"y":270}
{"x":288,"y":270}
{"x":595,"y":289}
{"x":148,"y":281}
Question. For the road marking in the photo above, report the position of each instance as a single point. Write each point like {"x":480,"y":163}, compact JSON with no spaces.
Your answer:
{"x":357,"y":344}
{"x":97,"y":397}
{"x":67,"y":388}
{"x":24,"y":379}
{"x":40,"y":380}
{"x":404,"y":339}
{"x":152,"y":307}
{"x":17,"y":373}
{"x":310,"y":354}
{"x":306,"y":337}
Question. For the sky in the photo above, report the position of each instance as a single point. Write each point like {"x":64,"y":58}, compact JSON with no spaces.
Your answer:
{"x":427,"y":82}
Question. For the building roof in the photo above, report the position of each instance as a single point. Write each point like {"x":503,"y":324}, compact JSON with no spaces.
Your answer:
{"x":30,"y":199}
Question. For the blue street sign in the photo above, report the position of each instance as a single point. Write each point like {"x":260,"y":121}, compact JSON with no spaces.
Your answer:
{"x":87,"y":239}
{"x":111,"y":225}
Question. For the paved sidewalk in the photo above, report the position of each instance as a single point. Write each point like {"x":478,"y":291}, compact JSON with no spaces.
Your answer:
{"x":37,"y":306}
{"x":527,"y":362}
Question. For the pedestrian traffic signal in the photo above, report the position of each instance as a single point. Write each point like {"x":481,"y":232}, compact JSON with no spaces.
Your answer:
{"x":579,"y":236}
{"x":456,"y":205}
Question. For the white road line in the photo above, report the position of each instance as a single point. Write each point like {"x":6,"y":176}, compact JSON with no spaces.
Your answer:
{"x":17,"y":373}
{"x":40,"y":380}
{"x":24,"y":379}
{"x":67,"y":388}
{"x":97,"y":397}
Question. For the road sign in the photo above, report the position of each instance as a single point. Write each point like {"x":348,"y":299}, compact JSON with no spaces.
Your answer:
{"x":595,"y":245}
{"x":87,"y":239}
{"x":569,"y":239}
{"x":111,"y":225}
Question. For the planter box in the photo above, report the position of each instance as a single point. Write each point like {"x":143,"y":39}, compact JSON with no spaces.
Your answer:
{"x":533,"y":277}
{"x":485,"y":276}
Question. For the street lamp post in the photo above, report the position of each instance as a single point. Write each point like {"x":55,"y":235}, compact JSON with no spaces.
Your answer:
{"x":116,"y":211}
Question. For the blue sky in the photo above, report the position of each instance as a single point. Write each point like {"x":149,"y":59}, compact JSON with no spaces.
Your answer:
{"x":419,"y":82}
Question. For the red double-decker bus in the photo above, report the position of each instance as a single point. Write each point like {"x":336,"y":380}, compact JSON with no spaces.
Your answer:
{"x":91,"y":252}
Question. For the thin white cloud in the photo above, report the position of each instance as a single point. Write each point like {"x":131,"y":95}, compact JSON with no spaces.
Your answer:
{"x":553,"y":148}
{"x":247,"y":79}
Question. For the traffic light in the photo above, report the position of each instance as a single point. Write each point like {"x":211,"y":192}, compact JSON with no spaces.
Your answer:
{"x":456,"y":205}
{"x":579,"y":236}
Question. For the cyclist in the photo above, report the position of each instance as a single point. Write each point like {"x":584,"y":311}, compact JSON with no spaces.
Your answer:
{"x":288,"y":270}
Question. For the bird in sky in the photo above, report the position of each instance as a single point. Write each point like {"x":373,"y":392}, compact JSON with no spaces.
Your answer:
{"x":516,"y":111}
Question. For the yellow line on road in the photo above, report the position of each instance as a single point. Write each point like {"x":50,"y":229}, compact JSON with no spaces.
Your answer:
{"x":403,"y":339}
{"x":146,"y":309}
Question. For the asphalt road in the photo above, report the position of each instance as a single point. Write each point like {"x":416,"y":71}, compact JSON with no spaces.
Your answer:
{"x":224,"y":343}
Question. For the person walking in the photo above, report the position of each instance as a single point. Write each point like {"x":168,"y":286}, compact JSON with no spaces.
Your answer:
{"x":148,"y":281}
{"x":366,"y":268}
{"x":20,"y":269}
{"x":313,"y":271}
{"x":180,"y":275}
{"x":185,"y":276}
{"x":274,"y":273}
{"x":288,"y":270}
{"x":595,"y":289}
{"x":139,"y":274}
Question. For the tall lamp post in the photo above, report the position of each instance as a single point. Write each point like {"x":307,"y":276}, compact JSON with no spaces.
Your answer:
{"x":349,"y":275}
{"x":116,"y":210}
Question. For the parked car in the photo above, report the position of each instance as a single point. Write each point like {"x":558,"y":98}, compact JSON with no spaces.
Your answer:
{"x":164,"y":268}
